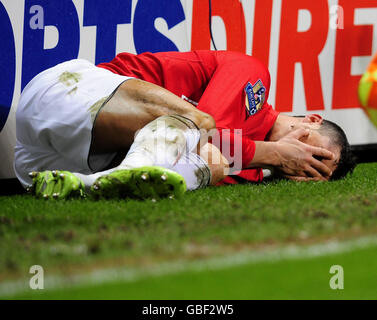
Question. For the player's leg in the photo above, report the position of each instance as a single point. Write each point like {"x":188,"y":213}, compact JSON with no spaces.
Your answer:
{"x":122,"y":112}
{"x":144,"y":173}
{"x":55,"y":117}
{"x":196,"y":169}
{"x":158,"y":125}
{"x":141,"y":183}
{"x":159,"y":144}
{"x":217,"y":163}
{"x":202,"y":167}
{"x":135,"y":104}
{"x":150,"y":182}
{"x":56,"y":184}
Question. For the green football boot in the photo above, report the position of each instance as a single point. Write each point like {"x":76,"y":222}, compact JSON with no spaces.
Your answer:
{"x":56,"y":185}
{"x":140,"y":183}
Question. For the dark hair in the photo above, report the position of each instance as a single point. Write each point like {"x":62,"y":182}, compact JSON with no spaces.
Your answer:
{"x":347,"y":160}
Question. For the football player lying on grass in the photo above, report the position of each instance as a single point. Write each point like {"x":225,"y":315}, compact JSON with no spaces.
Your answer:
{"x":125,"y":131}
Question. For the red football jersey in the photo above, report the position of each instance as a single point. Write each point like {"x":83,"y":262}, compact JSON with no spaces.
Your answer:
{"x":232,"y":87}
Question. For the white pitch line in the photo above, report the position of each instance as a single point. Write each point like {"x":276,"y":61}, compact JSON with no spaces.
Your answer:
{"x":288,"y":252}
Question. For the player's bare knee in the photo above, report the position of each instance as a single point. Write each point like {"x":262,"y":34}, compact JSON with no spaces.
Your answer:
{"x":202,"y":120}
{"x":217,"y":163}
{"x":209,"y":122}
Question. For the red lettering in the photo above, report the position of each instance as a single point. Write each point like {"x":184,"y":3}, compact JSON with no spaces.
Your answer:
{"x":301,"y":47}
{"x":351,"y":41}
{"x":231,"y":12}
{"x":262,"y":30}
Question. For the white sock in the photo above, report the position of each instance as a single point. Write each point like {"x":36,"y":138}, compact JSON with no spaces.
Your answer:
{"x":194,"y":169}
{"x":162,"y":142}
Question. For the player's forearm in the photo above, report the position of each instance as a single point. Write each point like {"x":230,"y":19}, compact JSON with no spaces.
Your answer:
{"x":265,"y":156}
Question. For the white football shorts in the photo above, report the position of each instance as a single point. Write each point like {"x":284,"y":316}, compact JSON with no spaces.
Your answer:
{"x":55,"y":118}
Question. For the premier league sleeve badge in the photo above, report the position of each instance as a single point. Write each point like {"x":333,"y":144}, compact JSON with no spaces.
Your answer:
{"x":254,"y":97}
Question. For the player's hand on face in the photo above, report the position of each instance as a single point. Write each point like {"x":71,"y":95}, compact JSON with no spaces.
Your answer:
{"x":56,"y":185}
{"x":299,"y":161}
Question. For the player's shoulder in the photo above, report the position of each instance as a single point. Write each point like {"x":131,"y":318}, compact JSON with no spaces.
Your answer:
{"x":240,"y":58}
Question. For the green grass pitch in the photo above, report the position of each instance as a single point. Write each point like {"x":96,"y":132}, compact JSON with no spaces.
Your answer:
{"x":272,"y":240}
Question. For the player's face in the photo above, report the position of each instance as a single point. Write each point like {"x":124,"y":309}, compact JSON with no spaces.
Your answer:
{"x":313,"y":122}
{"x":318,"y":140}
